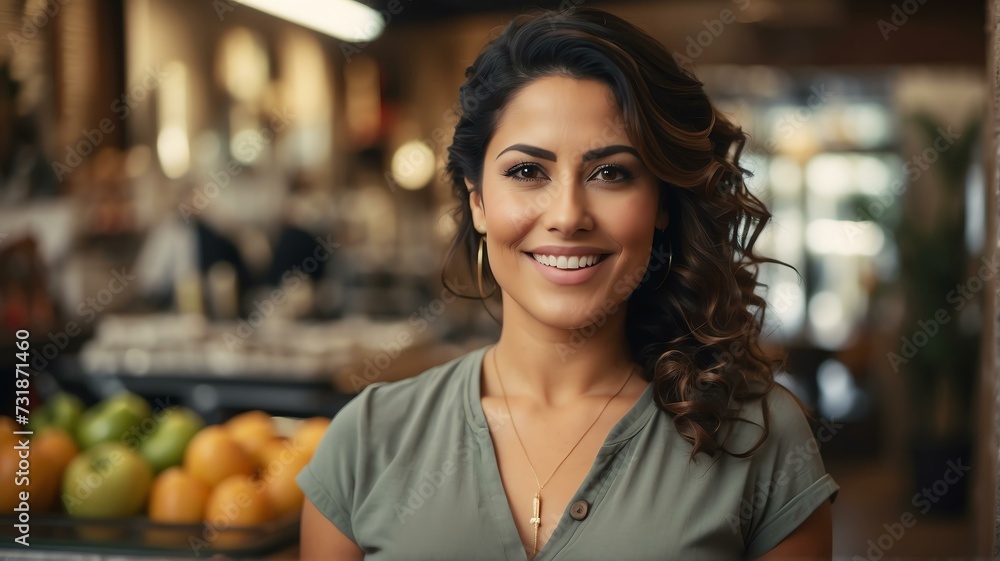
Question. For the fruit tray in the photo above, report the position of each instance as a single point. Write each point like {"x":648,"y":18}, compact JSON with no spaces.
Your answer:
{"x":140,"y":536}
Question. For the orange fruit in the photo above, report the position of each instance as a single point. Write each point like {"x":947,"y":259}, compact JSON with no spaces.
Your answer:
{"x":46,"y":480}
{"x":178,"y":497}
{"x":266,"y":451}
{"x":51,"y":452}
{"x":7,"y":428}
{"x":11,"y":488}
{"x":251,"y":430}
{"x":237,"y":501}
{"x":308,"y":434}
{"x":42,"y":482}
{"x":279,"y":477}
{"x":8,"y":464}
{"x":279,"y":449}
{"x":213,"y":455}
{"x":58,"y":445}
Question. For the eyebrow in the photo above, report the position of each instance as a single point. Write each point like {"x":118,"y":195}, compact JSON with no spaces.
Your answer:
{"x":608,"y":151}
{"x":528,"y":149}
{"x":587,"y":156}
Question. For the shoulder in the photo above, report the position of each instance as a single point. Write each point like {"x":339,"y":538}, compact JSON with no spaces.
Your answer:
{"x":787,"y":422}
{"x":385,"y":411}
{"x":386,"y":423}
{"x":387,"y":420}
{"x":783,"y":408}
{"x":784,"y":480}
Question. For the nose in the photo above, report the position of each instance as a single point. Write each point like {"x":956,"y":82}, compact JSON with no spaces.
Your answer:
{"x":568,"y":210}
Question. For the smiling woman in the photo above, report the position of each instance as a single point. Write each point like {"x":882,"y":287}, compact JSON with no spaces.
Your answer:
{"x":627,"y":410}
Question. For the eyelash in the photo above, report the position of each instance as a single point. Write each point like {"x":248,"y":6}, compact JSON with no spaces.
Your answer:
{"x":512,"y":172}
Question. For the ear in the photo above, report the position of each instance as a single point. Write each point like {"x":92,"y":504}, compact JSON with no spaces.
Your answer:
{"x":476,"y":206}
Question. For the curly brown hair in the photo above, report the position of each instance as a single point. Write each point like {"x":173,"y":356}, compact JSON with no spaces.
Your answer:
{"x":696,"y":334}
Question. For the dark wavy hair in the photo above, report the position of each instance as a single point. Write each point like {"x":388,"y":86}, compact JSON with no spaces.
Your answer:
{"x":697,"y":335}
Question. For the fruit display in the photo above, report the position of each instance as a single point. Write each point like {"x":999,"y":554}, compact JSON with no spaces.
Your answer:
{"x":127,"y":460}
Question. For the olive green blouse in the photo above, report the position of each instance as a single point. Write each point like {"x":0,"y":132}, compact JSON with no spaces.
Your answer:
{"x":407,"y":471}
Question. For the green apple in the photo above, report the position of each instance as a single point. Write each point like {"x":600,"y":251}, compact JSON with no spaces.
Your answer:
{"x":165,"y":446}
{"x":61,"y":410}
{"x":112,"y":420}
{"x":107,"y":481}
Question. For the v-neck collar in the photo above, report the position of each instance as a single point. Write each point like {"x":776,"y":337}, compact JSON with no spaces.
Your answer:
{"x":626,"y":427}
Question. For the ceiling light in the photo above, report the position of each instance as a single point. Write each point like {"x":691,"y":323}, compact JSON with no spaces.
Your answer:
{"x":413,"y":165}
{"x":347,"y":20}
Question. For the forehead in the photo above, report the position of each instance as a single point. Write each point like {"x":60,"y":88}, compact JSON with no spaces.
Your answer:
{"x":562,"y":114}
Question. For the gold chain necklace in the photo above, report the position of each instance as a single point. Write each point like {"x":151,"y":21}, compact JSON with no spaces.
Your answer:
{"x":536,"y":519}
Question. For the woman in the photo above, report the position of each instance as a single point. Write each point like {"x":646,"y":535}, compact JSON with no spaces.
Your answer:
{"x":627,"y":410}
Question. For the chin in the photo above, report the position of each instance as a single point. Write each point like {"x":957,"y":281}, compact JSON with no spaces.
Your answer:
{"x":570,"y":313}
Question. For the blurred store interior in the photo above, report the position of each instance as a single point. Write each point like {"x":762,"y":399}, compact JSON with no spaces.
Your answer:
{"x":209,"y":202}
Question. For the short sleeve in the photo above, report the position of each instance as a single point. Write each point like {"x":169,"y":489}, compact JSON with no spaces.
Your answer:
{"x":788,"y":480}
{"x":330,"y":479}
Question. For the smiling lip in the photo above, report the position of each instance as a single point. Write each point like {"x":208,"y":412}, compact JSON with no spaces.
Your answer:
{"x":567,"y":276}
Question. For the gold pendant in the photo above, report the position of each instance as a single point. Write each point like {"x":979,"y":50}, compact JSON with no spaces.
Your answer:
{"x":536,"y":520}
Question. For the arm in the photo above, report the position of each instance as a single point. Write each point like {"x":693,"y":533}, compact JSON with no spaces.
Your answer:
{"x":320,"y":539}
{"x":812,"y":540}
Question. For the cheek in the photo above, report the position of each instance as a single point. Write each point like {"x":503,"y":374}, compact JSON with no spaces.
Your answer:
{"x":510,"y":218}
{"x":631,"y":221}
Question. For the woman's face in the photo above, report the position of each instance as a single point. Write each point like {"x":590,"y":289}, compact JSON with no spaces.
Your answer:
{"x":568,"y":207}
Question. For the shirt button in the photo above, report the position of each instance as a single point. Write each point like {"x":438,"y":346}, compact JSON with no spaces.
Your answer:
{"x":579,"y":509}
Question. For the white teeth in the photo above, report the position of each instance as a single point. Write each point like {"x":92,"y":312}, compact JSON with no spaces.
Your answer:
{"x":564,"y":262}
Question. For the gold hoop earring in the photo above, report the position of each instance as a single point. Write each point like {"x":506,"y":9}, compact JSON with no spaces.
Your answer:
{"x":670,"y":262}
{"x":479,"y":269}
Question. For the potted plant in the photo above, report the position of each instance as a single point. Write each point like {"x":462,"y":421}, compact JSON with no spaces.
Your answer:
{"x":939,"y":339}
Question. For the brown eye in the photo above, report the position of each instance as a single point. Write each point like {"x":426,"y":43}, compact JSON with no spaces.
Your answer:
{"x":609,"y":174}
{"x":523,"y":172}
{"x":613,"y":174}
{"x":527,"y":171}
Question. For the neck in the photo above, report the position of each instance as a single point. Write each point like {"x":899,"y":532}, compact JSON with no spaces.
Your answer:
{"x":554,"y":366}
